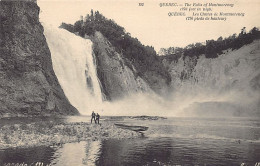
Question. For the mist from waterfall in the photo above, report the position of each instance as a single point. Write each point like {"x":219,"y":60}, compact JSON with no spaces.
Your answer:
{"x":222,"y":86}
{"x":75,"y":68}
{"x":225,"y":86}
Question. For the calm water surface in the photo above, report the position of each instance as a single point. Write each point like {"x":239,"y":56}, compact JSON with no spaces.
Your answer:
{"x":174,"y":141}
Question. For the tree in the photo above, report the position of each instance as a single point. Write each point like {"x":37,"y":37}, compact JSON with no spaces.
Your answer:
{"x":210,"y":50}
{"x":220,"y":38}
{"x":243,"y":31}
{"x":163,"y":51}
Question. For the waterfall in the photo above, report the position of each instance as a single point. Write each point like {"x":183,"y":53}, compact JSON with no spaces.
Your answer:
{"x":75,"y":68}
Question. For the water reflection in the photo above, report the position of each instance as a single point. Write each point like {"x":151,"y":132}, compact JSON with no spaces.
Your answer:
{"x":82,"y":153}
{"x":92,"y":150}
{"x":167,"y":142}
{"x":28,"y":156}
{"x":135,"y":151}
{"x":78,"y":154}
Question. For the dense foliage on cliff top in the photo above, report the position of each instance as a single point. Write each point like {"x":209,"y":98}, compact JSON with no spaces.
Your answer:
{"x":213,"y":48}
{"x":143,"y":57}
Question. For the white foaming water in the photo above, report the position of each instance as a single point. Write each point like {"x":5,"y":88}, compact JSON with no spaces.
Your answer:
{"x":220,"y":82}
{"x":75,"y":68}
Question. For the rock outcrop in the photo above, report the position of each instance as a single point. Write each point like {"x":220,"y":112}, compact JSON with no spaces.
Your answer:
{"x":28,"y":85}
{"x":231,"y":70}
{"x":124,"y":64}
{"x":229,"y":82}
{"x":118,"y":77}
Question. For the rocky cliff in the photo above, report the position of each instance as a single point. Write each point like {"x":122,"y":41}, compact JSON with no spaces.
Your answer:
{"x":117,"y":75}
{"x":124,"y":64}
{"x":229,"y":83}
{"x":28,"y":85}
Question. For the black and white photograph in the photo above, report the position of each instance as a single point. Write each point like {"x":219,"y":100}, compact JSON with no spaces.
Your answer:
{"x":129,"y":83}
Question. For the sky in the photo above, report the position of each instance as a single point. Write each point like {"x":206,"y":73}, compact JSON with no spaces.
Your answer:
{"x":151,"y":24}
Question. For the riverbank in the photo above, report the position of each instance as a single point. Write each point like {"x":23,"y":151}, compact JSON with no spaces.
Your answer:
{"x":56,"y":133}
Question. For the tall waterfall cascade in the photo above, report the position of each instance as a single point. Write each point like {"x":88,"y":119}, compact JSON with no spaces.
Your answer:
{"x":74,"y":66}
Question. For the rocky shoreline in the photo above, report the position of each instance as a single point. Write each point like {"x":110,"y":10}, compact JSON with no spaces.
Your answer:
{"x":144,"y":117}
{"x":53,"y":133}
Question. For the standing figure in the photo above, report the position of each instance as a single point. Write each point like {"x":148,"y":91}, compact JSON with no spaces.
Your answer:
{"x":93,"y":116}
{"x":98,"y":116}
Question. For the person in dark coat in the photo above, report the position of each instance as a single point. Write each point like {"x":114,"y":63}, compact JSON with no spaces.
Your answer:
{"x":93,"y":116}
{"x":97,"y":118}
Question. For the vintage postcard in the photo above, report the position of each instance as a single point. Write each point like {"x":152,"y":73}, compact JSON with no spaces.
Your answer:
{"x":129,"y":82}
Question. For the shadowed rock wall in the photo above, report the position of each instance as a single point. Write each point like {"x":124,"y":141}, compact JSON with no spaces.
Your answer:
{"x":28,"y":85}
{"x":117,"y":76}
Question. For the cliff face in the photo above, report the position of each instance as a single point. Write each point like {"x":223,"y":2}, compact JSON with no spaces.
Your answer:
{"x":231,"y":70}
{"x":231,"y":81}
{"x":135,"y":64}
{"x":28,"y":85}
{"x":118,"y":77}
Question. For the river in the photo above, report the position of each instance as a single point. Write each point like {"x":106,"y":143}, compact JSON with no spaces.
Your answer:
{"x":172,"y":141}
